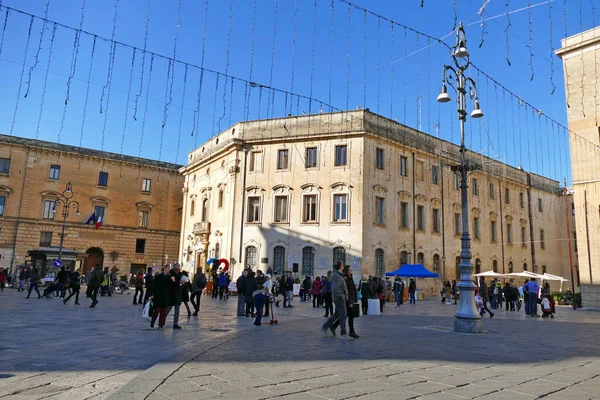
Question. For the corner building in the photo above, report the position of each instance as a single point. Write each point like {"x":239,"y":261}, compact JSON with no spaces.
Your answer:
{"x":581,"y":57}
{"x":139,"y":201}
{"x":365,"y":190}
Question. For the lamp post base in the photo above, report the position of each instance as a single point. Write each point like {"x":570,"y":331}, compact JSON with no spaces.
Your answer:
{"x":468,"y":325}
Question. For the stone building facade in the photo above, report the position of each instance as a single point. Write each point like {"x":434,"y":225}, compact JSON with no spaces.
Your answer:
{"x":357,"y":187}
{"x":139,"y":201}
{"x":581,"y":56}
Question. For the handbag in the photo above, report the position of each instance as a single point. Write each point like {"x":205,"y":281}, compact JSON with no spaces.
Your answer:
{"x":356,"y":310}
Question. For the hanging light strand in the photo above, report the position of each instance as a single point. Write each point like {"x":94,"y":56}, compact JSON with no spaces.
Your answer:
{"x":392,"y":64}
{"x":74,"y":55}
{"x":185,"y":74}
{"x":87,"y":94}
{"x":199,"y":95}
{"x":529,"y":39}
{"x":274,"y":35}
{"x":14,"y":118}
{"x":137,"y":96}
{"x":37,"y":53}
{"x":128,"y":97}
{"x":506,"y":31}
{"x":4,"y":30}
{"x":312,"y":57}
{"x":348,"y":57}
{"x":331,"y":49}
{"x":364,"y":59}
{"x":146,"y":105}
{"x":551,"y":49}
{"x":39,"y":121}
{"x":294,"y":47}
{"x":378,"y":62}
{"x":111,"y":56}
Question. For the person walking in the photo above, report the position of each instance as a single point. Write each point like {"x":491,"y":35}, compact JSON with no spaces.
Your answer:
{"x":268,"y":285}
{"x":75,"y":285}
{"x":507,"y":291}
{"x":316,"y":292}
{"x":62,"y":278}
{"x":186,"y":286}
{"x":222,"y":284}
{"x":365,"y":294}
{"x":34,"y":279}
{"x":412,"y":291}
{"x":198,"y":285}
{"x":381,"y":293}
{"x":249,"y":290}
{"x":307,"y":286}
{"x":22,"y":279}
{"x":96,"y":280}
{"x":289,"y":289}
{"x":176,"y":293}
{"x":114,"y":277}
{"x":350,"y":304}
{"x":340,"y":298}
{"x":139,"y":288}
{"x":328,"y":294}
{"x":160,"y":297}
{"x":485,"y":295}
{"x":241,"y":289}
{"x":532,"y":289}
{"x":3,"y":278}
{"x":148,"y":284}
{"x":481,"y":304}
{"x":454,"y":290}
{"x":398,"y":292}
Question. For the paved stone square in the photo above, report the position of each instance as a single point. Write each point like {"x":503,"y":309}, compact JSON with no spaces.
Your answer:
{"x":52,"y":351}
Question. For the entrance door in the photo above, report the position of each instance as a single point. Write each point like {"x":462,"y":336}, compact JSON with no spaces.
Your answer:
{"x":279,"y":260}
{"x":308,"y":261}
{"x":339,"y":254}
{"x":94,"y":256}
{"x":379,"y":263}
{"x":135,"y":268}
{"x":250,"y":258}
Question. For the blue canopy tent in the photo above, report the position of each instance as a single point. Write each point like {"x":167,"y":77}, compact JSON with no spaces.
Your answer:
{"x":413,"y":271}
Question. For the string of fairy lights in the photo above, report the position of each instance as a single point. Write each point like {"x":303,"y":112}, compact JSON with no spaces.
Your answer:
{"x":260,"y":95}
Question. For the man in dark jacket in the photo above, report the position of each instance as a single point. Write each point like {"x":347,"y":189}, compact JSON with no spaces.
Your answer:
{"x":62,"y":278}
{"x":149,"y":284}
{"x":176,"y":293}
{"x":412,"y":291}
{"x":95,"y":281}
{"x":340,"y":298}
{"x":398,"y":291}
{"x":365,"y":294}
{"x":34,"y":278}
{"x":160,"y":297}
{"x":241,"y":289}
{"x":22,"y":279}
{"x":289,"y":289}
{"x":249,"y":289}
{"x":198,"y":285}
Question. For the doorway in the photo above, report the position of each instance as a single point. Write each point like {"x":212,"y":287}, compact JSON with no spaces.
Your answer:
{"x":94,"y":256}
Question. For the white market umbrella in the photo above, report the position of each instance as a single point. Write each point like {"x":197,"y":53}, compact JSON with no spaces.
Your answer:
{"x":550,"y":277}
{"x":526,"y":274}
{"x":490,"y":274}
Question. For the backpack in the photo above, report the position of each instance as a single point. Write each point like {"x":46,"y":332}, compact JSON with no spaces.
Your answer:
{"x":202,"y":282}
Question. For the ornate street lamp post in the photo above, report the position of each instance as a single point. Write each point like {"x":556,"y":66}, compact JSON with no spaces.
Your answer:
{"x":66,"y":201}
{"x":467,"y":319}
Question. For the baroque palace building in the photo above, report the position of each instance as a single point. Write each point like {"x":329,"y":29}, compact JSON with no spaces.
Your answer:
{"x":138,"y":200}
{"x":581,"y":57}
{"x":360,"y":188}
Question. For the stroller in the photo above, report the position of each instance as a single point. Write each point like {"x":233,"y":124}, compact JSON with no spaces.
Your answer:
{"x":52,"y":288}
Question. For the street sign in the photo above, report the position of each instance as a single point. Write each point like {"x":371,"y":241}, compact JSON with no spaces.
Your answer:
{"x":57,"y":263}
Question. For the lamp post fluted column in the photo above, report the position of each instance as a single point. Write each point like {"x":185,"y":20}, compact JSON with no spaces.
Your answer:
{"x":66,"y":201}
{"x":467,"y":319}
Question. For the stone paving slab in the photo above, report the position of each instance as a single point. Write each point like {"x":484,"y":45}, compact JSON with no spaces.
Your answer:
{"x":406,"y":353}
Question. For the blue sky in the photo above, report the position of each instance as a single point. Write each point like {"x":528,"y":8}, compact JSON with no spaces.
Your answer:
{"x":404,"y":89}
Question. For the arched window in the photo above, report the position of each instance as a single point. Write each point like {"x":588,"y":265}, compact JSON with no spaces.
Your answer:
{"x":436,"y":263}
{"x":192,"y":207}
{"x":217,"y":251}
{"x":339,"y":254}
{"x":204,"y":210}
{"x":278,"y":260}
{"x":379,"y":263}
{"x":421,"y":258}
{"x":477,"y":266}
{"x":308,"y":261}
{"x":250,"y":258}
{"x":510,"y":267}
{"x":495,"y":265}
{"x":403,"y":258}
{"x":524,"y":266}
